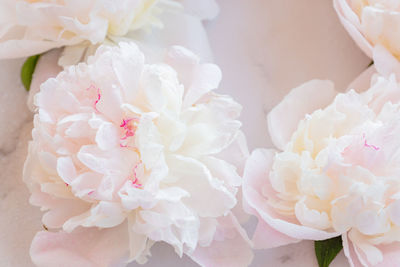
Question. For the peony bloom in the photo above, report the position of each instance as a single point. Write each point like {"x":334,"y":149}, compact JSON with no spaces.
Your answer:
{"x":29,"y":27}
{"x":126,"y":154}
{"x":337,"y":171}
{"x":375,"y":27}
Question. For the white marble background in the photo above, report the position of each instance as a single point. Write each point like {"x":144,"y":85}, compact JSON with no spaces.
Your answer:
{"x":264,"y":47}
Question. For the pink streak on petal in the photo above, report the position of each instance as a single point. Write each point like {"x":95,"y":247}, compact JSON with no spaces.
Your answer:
{"x":376,"y":148}
{"x":135,"y":180}
{"x":91,"y":87}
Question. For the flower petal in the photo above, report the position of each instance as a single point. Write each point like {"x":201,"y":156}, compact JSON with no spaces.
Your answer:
{"x":349,"y":252}
{"x":208,"y":196}
{"x":255,"y":176}
{"x":285,"y":117}
{"x":363,"y":82}
{"x":46,"y":68}
{"x":385,"y":62}
{"x":351,"y":23}
{"x":83,"y":247}
{"x":204,"y":10}
{"x":197,"y":78}
{"x":231,"y":246}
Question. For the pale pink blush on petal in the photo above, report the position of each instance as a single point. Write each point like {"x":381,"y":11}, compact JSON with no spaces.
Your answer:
{"x":351,"y":23}
{"x":203,"y":77}
{"x":46,"y":68}
{"x":85,"y":247}
{"x":363,"y":81}
{"x":257,"y":167}
{"x":385,"y":62}
{"x":234,"y":250}
{"x":284,"y":118}
{"x":391,"y":255}
{"x":349,"y":252}
{"x":266,"y":237}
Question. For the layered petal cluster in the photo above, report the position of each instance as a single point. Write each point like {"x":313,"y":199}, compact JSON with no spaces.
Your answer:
{"x":29,"y":27}
{"x":337,"y":171}
{"x":375,"y":27}
{"x":126,"y":154}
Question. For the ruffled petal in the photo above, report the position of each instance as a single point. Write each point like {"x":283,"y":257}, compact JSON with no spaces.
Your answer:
{"x":285,"y":117}
{"x":360,"y":252}
{"x":255,"y":177}
{"x":179,"y":28}
{"x":208,"y":196}
{"x":231,"y":246}
{"x":349,"y":252}
{"x":197,"y":78}
{"x":352,"y":24}
{"x":265,"y":237}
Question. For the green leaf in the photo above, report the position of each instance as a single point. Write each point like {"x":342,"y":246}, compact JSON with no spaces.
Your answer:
{"x":370,"y":64}
{"x":27,"y":71}
{"x":326,"y":250}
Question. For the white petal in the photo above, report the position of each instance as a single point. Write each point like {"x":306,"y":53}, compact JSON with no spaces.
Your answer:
{"x":285,"y":117}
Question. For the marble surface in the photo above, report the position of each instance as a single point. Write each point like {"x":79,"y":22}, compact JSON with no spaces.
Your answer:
{"x":264,"y":47}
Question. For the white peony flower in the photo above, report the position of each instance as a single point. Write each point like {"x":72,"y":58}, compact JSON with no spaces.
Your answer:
{"x":126,"y":154}
{"x":337,"y":172}
{"x":30,"y":27}
{"x":375,"y":27}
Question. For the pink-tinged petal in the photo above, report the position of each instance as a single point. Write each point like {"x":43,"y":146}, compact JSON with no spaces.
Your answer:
{"x":363,"y":82}
{"x":210,"y":198}
{"x":266,"y":237}
{"x":352,"y":24}
{"x":85,"y":247}
{"x":197,"y":78}
{"x":128,"y":67}
{"x":25,"y":48}
{"x":66,"y":169}
{"x":385,"y":62}
{"x":59,"y":210}
{"x":237,"y":152}
{"x":257,"y":168}
{"x":231,"y":246}
{"x":349,"y":252}
{"x":285,"y":117}
{"x":255,"y":179}
{"x":46,"y":68}
{"x":391,"y":255}
{"x":358,"y":253}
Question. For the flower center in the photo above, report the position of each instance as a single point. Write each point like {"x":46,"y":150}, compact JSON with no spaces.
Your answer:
{"x":129,"y":126}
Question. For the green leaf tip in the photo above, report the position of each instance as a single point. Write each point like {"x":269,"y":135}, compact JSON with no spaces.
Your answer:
{"x":27,"y":71}
{"x":327,"y":250}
